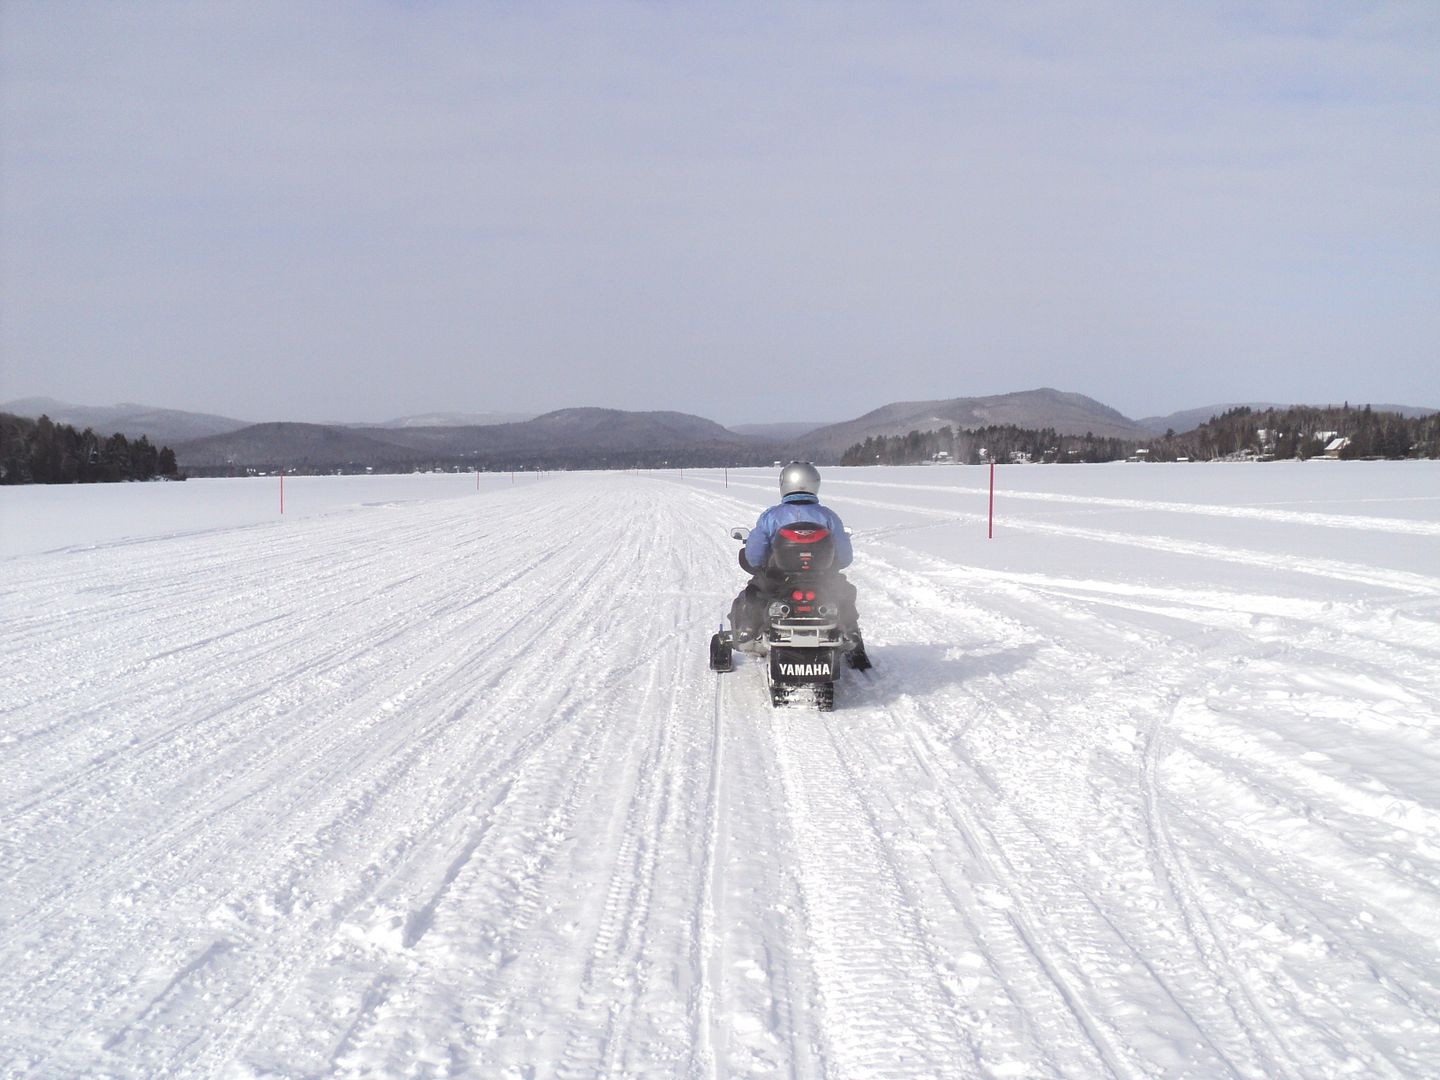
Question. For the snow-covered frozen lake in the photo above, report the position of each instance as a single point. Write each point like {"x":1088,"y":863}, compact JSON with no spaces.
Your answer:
{"x":45,"y":518}
{"x":422,"y":779}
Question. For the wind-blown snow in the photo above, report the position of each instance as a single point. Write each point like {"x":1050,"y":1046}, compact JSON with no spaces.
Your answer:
{"x":422,"y":780}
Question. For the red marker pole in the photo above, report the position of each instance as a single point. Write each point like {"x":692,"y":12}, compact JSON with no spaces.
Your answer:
{"x":992,"y":501}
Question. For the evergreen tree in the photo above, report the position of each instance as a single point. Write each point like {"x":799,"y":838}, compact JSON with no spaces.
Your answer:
{"x":44,"y":452}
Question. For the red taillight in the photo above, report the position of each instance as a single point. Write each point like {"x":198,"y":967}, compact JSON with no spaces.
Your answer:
{"x":803,"y":536}
{"x":797,"y":595}
{"x":809,"y":596}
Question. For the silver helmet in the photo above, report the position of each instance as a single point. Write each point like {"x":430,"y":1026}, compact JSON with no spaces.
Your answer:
{"x":799,"y":476}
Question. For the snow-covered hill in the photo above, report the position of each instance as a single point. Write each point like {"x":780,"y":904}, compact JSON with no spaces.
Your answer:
{"x":434,"y":781}
{"x":159,"y":425}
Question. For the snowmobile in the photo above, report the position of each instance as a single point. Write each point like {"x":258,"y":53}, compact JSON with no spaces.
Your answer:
{"x":801,"y":632}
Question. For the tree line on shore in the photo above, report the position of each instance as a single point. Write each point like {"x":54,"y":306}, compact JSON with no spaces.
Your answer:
{"x":44,"y":452}
{"x":976,"y":446}
{"x":1305,"y":431}
{"x":1299,"y":432}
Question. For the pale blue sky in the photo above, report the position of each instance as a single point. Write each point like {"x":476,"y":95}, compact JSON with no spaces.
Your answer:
{"x":747,"y":211}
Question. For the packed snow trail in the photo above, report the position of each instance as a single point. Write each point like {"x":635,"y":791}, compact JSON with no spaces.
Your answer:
{"x":444,"y":788}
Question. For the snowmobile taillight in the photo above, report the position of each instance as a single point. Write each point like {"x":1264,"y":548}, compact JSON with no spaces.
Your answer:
{"x":797,"y":595}
{"x":803,"y":536}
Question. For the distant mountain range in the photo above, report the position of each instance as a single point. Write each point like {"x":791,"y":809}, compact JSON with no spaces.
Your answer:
{"x":1068,"y":414}
{"x":567,"y":438}
{"x":170,"y":426}
{"x":305,"y":447}
{"x":162,"y":426}
{"x":590,"y":437}
{"x":782,"y":432}
{"x":573,"y":429}
{"x":450,"y":419}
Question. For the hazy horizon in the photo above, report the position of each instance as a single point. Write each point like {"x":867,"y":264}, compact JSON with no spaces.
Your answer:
{"x":732,"y":423}
{"x":752,"y":213}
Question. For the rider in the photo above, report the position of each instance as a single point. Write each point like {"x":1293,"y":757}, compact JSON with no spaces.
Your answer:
{"x":799,"y":501}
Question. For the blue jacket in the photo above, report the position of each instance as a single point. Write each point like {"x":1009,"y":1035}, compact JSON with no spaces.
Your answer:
{"x":797,"y":507}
